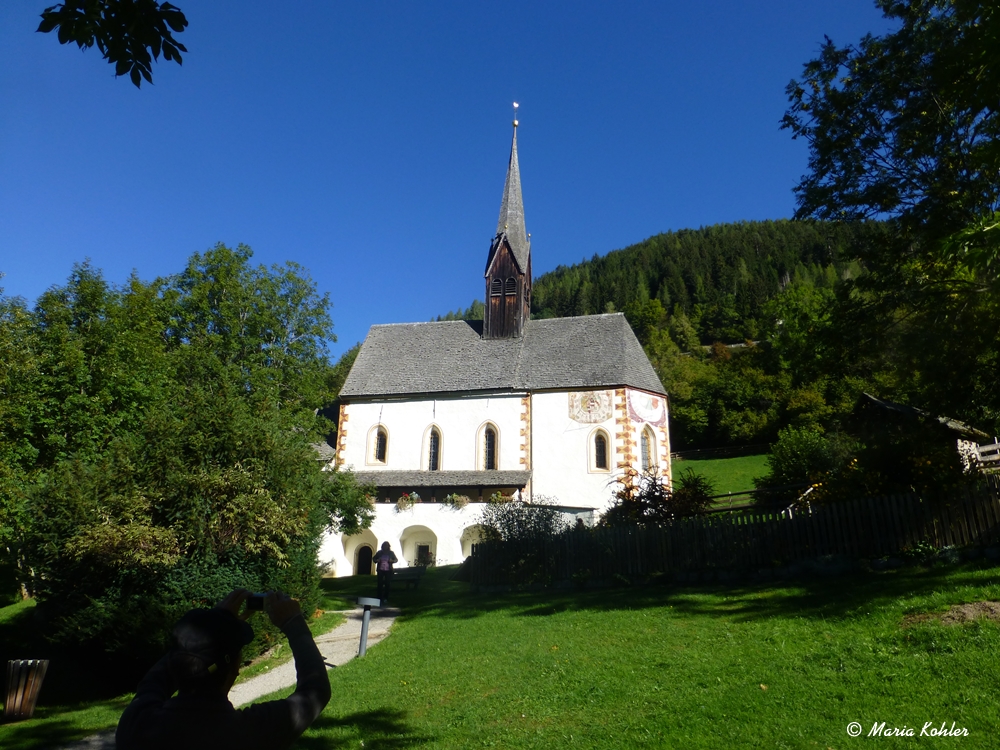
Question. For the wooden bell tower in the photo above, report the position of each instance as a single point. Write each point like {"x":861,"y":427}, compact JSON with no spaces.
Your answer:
{"x":508,"y":267}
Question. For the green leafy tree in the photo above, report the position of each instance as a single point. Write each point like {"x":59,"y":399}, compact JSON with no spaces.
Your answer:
{"x":18,"y":373}
{"x":795,"y":322}
{"x":646,"y":318}
{"x":161,"y":445}
{"x":800,"y":457}
{"x":130,"y":34}
{"x":748,"y":398}
{"x":690,"y":381}
{"x":683,"y":332}
{"x":338,"y":376}
{"x":905,"y":126}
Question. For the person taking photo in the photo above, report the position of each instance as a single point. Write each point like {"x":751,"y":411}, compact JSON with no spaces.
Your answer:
{"x":201,"y":668}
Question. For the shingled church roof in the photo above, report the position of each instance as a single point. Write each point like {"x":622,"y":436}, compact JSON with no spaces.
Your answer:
{"x":593,"y":351}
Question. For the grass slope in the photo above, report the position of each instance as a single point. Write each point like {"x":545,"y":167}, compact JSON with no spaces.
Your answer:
{"x":769,"y":666}
{"x":781,"y":665}
{"x":726,"y":474}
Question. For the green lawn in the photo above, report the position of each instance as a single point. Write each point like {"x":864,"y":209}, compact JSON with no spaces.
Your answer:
{"x":726,"y":474}
{"x":780,"y":665}
{"x":769,"y":666}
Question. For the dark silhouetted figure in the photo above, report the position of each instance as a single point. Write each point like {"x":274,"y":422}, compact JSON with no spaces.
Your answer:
{"x":384,"y":559}
{"x":202,"y":667}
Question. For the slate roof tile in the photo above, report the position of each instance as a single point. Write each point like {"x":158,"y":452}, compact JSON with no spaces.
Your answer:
{"x":590,"y":351}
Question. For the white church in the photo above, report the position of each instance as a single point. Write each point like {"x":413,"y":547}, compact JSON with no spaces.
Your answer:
{"x":553,"y":411}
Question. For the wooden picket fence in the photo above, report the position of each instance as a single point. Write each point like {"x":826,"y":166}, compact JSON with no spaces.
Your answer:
{"x":867,"y":528}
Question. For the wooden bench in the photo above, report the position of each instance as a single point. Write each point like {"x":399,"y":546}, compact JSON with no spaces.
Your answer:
{"x":409,"y":576}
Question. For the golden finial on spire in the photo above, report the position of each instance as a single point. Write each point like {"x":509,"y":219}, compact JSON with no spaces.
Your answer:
{"x":515,"y":114}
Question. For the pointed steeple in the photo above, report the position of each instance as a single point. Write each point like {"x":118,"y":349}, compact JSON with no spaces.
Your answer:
{"x":508,"y":267}
{"x":512,"y":210}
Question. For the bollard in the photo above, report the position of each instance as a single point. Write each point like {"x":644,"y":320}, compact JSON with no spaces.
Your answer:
{"x":365,"y":619}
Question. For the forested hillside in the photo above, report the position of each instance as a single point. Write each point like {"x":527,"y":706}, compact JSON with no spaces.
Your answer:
{"x":730,"y":283}
{"x":715,"y":279}
{"x":718,"y":276}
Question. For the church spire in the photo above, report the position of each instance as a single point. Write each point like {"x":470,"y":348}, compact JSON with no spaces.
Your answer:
{"x":508,"y":267}
{"x":512,"y":208}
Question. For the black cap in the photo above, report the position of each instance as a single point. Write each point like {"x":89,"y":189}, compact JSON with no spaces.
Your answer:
{"x":211,"y":635}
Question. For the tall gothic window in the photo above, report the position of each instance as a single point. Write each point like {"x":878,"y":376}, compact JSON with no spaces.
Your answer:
{"x":496,"y":288}
{"x":490,"y":449}
{"x":434,"y":451}
{"x":381,"y":445}
{"x":511,"y":286}
{"x":600,"y":451}
{"x":648,"y":450}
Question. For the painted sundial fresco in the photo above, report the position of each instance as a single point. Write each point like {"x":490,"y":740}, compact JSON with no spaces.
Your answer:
{"x":643,"y":407}
{"x":590,"y":407}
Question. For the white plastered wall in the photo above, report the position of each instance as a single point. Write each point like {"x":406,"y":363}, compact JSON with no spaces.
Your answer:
{"x":562,"y":449}
{"x":561,"y":464}
{"x":460,"y":422}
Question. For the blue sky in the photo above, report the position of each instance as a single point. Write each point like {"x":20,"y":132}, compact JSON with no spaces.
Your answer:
{"x":368,"y":141}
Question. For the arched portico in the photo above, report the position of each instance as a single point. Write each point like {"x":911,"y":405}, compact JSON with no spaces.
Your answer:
{"x":470,"y":535}
{"x":352,"y":549}
{"x":363,"y":560}
{"x":419,"y":544}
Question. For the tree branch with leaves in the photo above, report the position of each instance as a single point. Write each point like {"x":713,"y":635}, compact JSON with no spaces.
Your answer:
{"x":130,"y":34}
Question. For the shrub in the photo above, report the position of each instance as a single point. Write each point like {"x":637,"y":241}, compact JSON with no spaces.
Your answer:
{"x":883,"y":457}
{"x":518,"y":534}
{"x":518,"y":520}
{"x":646,"y":499}
{"x":692,"y":493}
{"x":801,"y":456}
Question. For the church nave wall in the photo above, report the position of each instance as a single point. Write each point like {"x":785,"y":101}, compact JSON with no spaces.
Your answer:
{"x":460,"y":423}
{"x":564,"y":425}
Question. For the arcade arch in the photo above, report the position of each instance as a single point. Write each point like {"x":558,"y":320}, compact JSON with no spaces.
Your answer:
{"x":470,"y":535}
{"x":352,"y":550}
{"x":419,"y":545}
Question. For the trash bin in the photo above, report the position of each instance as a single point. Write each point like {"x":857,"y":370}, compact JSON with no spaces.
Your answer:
{"x":24,"y":680}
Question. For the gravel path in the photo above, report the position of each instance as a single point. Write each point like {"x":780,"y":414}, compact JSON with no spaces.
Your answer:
{"x":338,"y":647}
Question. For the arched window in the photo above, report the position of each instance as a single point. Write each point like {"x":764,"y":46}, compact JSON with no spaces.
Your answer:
{"x":511,"y":286}
{"x":648,"y":450}
{"x":434,"y":451}
{"x":381,"y":445}
{"x":496,"y":288}
{"x":489,"y":449}
{"x":600,"y":451}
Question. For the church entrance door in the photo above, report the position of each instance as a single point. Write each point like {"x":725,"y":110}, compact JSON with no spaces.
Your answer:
{"x":364,"y":566}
